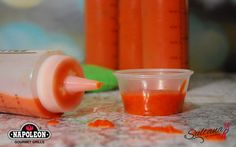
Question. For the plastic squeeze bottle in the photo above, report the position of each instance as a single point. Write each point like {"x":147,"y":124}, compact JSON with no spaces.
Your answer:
{"x":130,"y":39}
{"x":101,"y":32}
{"x":165,"y":33}
{"x":41,"y":83}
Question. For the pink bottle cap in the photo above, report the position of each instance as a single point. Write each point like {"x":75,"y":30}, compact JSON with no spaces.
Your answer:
{"x":75,"y":84}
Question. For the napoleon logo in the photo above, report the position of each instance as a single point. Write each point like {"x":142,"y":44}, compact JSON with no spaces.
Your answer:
{"x":29,"y":131}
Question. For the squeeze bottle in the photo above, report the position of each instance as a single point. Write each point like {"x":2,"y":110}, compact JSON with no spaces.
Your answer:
{"x":165,"y":33}
{"x":130,"y":39}
{"x":41,"y":83}
{"x":101,"y":33}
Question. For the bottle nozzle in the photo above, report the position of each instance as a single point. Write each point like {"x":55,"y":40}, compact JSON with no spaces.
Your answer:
{"x":75,"y":84}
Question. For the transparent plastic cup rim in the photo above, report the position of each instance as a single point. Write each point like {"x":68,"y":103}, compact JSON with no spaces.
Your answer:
{"x":154,"y":73}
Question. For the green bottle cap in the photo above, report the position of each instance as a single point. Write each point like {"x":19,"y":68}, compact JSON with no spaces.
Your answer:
{"x":100,"y":74}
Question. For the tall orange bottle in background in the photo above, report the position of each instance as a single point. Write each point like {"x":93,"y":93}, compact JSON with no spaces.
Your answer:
{"x":165,"y":33}
{"x":130,"y":41}
{"x":101,"y":31}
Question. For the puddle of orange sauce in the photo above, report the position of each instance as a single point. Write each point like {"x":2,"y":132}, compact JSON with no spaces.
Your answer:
{"x":165,"y":129}
{"x":101,"y":124}
{"x":216,"y":138}
{"x":53,"y":122}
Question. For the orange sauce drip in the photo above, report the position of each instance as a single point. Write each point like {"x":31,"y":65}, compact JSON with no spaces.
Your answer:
{"x":217,"y":138}
{"x":166,"y":129}
{"x":53,"y":122}
{"x":101,"y":124}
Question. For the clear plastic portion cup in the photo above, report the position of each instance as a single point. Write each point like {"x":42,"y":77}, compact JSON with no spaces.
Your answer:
{"x":153,"y":92}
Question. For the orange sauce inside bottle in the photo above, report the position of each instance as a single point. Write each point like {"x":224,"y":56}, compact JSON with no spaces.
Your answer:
{"x":158,"y":102}
{"x":130,"y":40}
{"x":165,"y":33}
{"x":24,"y":106}
{"x":101,"y":28}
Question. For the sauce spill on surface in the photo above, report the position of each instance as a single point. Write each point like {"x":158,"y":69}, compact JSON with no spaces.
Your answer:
{"x":53,"y":122}
{"x":101,"y":124}
{"x":165,"y":129}
{"x":216,"y":138}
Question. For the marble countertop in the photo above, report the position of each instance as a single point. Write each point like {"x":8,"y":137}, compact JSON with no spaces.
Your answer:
{"x":210,"y":103}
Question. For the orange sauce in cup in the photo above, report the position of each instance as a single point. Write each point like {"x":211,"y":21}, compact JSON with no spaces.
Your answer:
{"x":150,"y":103}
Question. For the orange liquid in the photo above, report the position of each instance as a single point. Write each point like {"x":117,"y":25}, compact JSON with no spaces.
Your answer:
{"x":24,"y":106}
{"x":153,"y":102}
{"x":166,"y":129}
{"x":216,"y":138}
{"x":165,"y":33}
{"x":212,"y":136}
{"x":101,"y":28}
{"x":53,"y":122}
{"x":101,"y":124}
{"x":130,"y":41}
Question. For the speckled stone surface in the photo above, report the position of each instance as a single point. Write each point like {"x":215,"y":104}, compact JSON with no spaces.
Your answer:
{"x":211,"y":102}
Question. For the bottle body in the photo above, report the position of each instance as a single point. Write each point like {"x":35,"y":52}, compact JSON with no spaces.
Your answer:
{"x":32,"y":83}
{"x":101,"y":32}
{"x":130,"y":41}
{"x":165,"y":33}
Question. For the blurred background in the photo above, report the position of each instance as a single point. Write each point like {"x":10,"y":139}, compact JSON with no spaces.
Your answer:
{"x":59,"y":24}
